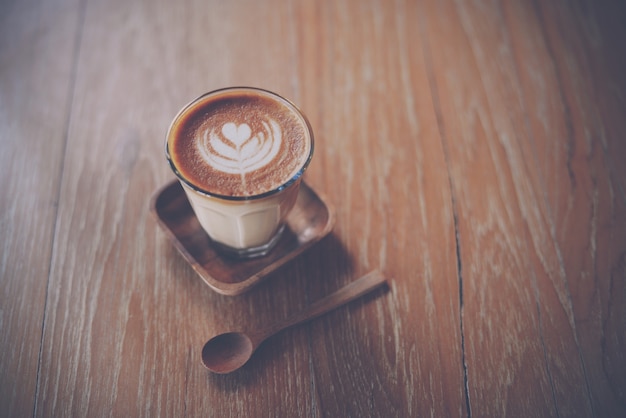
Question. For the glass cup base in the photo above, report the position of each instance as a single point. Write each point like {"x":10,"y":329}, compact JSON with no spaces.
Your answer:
{"x":250,"y":252}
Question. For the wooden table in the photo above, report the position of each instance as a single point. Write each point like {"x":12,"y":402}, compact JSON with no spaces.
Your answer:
{"x":474,"y":152}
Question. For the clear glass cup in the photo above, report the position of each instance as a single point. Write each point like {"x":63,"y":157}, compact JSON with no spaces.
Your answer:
{"x":240,"y":225}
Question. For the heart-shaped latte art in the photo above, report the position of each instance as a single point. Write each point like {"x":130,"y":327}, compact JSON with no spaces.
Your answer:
{"x":238,"y":150}
{"x":236,"y":134}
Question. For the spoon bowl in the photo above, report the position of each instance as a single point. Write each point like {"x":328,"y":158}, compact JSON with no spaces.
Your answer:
{"x":225,"y":353}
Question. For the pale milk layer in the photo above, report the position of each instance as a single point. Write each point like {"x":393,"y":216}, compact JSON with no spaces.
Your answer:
{"x":243,"y":224}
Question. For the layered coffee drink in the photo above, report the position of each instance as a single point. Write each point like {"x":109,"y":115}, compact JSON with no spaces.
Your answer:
{"x":240,"y":154}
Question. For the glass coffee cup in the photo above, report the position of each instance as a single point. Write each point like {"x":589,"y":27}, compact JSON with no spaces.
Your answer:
{"x":240,"y":154}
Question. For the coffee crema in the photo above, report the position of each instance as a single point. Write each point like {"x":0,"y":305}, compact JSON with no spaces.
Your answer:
{"x":239,"y":143}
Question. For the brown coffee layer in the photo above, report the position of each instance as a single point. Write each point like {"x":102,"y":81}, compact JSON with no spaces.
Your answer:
{"x":239,"y":143}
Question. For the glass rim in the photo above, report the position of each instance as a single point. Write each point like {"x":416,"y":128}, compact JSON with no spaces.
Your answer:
{"x":285,"y":185}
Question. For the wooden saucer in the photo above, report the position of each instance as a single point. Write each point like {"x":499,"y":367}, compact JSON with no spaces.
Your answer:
{"x":310,"y":220}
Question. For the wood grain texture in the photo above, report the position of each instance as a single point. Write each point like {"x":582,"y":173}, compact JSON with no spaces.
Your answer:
{"x":37,"y":53}
{"x":515,"y":233}
{"x":473,"y":151}
{"x":382,"y":162}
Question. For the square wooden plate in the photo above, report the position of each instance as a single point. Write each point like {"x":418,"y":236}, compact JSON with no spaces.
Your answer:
{"x":311,"y":219}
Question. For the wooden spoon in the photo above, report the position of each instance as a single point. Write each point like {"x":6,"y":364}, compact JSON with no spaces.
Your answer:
{"x":227,"y":352}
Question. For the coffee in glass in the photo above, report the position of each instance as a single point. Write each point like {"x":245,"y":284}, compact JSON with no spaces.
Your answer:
{"x":239,"y":154}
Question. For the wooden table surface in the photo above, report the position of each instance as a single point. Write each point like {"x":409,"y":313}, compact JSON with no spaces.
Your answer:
{"x":473,"y":150}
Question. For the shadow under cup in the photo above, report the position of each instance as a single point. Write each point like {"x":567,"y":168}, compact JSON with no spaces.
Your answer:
{"x":244,"y":226}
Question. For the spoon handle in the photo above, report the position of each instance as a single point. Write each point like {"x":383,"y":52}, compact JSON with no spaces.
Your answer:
{"x":342,"y":296}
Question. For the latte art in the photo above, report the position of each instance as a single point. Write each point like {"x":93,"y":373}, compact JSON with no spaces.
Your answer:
{"x":239,"y":142}
{"x":237,"y":150}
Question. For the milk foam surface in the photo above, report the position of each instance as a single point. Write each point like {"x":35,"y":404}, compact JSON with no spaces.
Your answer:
{"x":239,"y":143}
